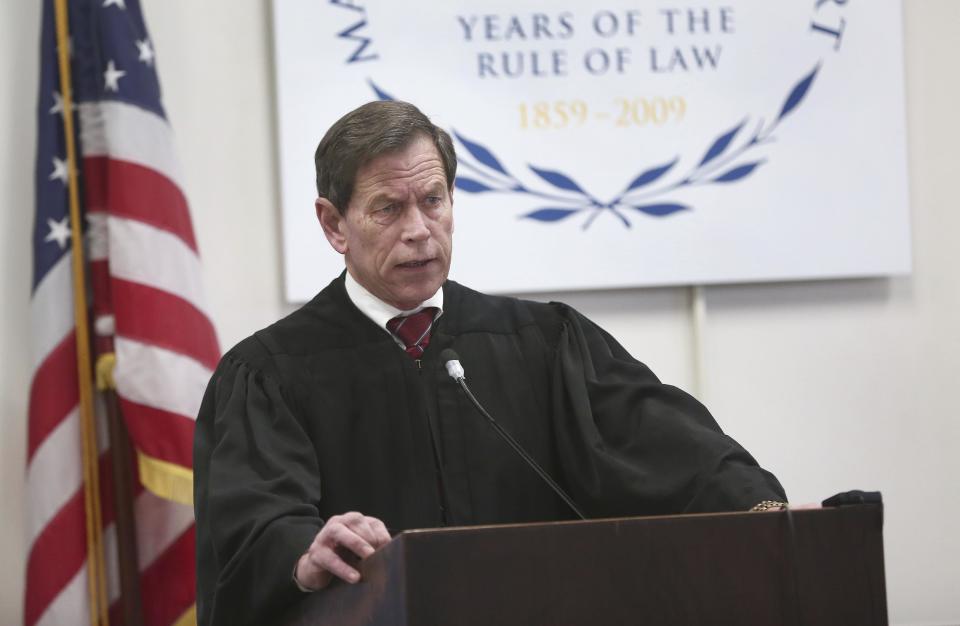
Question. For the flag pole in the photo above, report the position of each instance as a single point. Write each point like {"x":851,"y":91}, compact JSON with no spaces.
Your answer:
{"x":96,"y":574}
{"x":130,"y":597}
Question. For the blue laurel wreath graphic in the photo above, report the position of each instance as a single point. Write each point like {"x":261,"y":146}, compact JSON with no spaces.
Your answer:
{"x":646,"y":193}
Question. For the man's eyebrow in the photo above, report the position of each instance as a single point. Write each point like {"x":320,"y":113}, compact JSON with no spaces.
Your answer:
{"x":381,"y":198}
{"x":434,"y":185}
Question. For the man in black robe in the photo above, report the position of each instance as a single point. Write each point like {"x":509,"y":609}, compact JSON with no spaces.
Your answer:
{"x":326,"y":431}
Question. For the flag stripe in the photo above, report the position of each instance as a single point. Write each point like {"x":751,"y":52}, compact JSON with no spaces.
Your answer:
{"x":99,"y":279}
{"x":159,"y":378}
{"x":129,"y":133}
{"x":51,"y":316}
{"x":55,"y":556}
{"x":138,"y":193}
{"x":166,"y":573}
{"x":61,"y":548}
{"x":53,"y":393}
{"x":160,"y":523}
{"x":98,"y":250}
{"x":161,"y":319}
{"x":54,"y":475}
{"x":143,"y":254}
{"x":63,"y":543}
{"x":71,"y":605}
{"x":154,"y":427}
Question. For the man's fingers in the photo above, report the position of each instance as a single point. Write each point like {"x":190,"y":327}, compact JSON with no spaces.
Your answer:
{"x":351,"y":532}
{"x":371,"y":529}
{"x":343,"y":536}
{"x":347,"y":518}
{"x":370,"y":532}
{"x":329,"y":560}
{"x":380,"y":532}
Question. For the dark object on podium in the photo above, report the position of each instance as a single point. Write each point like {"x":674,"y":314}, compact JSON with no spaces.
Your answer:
{"x":856,"y":496}
{"x":735,"y":568}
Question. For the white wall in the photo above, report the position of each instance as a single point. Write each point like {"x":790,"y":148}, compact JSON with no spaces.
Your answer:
{"x":832,"y":385}
{"x":19,"y":43}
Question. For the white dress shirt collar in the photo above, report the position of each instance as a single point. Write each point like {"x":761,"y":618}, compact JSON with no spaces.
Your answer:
{"x":379,"y":311}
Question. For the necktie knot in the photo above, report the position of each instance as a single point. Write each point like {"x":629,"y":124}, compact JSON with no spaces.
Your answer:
{"x":414,"y":330}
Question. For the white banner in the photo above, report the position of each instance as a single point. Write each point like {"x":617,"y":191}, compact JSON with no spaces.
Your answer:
{"x":620,"y":143}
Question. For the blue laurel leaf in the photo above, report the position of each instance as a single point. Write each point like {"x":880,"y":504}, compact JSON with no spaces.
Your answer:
{"x":561,"y":181}
{"x":651,"y":175}
{"x":738,"y":172}
{"x":470,"y":185}
{"x":381,"y":94}
{"x":721,"y":143}
{"x":798,"y":93}
{"x":550,"y":215}
{"x":481,"y":154}
{"x":661,"y":210}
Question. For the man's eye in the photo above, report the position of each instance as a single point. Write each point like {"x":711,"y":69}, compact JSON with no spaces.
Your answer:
{"x":434,"y":200}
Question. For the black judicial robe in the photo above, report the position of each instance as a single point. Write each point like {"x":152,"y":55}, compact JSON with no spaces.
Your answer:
{"x":322,"y":413}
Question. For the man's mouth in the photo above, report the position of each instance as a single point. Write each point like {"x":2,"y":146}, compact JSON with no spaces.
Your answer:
{"x":414,"y":264}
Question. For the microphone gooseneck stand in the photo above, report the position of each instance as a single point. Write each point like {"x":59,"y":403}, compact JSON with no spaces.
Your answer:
{"x":455,"y":370}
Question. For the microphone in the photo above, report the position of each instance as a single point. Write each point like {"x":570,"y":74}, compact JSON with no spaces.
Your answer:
{"x":452,"y":362}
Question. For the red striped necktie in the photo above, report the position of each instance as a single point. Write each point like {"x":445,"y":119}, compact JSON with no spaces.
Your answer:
{"x":414,"y":330}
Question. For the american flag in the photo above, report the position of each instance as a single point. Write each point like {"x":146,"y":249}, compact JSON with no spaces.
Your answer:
{"x":148,"y":308}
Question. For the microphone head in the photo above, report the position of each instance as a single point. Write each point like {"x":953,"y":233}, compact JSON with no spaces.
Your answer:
{"x":452,"y":362}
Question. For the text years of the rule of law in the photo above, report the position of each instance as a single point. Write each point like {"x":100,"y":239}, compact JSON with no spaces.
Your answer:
{"x":602,"y":23}
{"x":596,"y":61}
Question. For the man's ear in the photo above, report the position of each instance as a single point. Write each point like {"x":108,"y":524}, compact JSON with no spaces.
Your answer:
{"x":451,"y":208}
{"x":332,"y":223}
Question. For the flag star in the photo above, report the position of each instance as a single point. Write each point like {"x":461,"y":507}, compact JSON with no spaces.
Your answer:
{"x":58,"y":104}
{"x":59,"y":170}
{"x":59,"y":231}
{"x":112,"y":76}
{"x":146,"y":51}
{"x":118,"y":3}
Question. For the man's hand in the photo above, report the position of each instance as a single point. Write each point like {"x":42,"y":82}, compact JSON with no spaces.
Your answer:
{"x":348,"y":533}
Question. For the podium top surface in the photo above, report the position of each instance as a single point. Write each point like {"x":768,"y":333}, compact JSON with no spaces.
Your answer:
{"x":806,"y":567}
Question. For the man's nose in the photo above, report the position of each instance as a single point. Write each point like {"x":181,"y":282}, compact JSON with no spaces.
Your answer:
{"x":415,"y":224}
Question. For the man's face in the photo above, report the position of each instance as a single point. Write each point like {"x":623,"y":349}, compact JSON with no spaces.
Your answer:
{"x":396,"y":234}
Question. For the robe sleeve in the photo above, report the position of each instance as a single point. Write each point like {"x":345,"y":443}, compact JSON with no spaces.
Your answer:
{"x":631,"y":445}
{"x":257,"y":485}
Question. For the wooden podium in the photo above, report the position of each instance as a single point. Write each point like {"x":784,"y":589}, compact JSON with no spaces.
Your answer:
{"x":821,"y":567}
